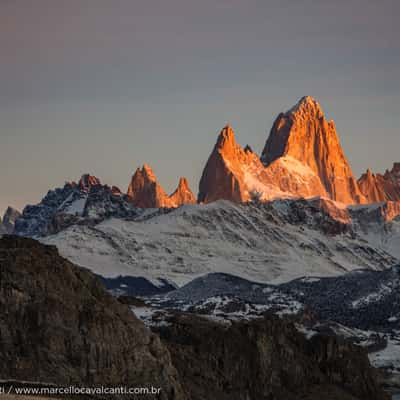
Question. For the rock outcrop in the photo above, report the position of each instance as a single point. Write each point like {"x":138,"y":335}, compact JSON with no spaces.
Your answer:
{"x":7,"y":224}
{"x":380,"y":188}
{"x":58,"y":325}
{"x":145,"y":192}
{"x":265,"y":359}
{"x":304,"y":134}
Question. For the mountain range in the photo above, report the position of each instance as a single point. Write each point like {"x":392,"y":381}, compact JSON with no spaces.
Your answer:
{"x":289,"y":232}
{"x":302,"y":158}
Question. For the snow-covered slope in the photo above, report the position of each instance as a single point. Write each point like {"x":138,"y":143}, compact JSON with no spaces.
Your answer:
{"x":265,"y":242}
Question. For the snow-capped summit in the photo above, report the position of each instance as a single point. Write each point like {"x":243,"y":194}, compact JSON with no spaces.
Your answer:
{"x":88,"y":201}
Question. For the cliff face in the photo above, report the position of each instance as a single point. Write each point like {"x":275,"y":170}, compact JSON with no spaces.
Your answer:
{"x":62,"y":327}
{"x":304,"y":134}
{"x":265,"y":359}
{"x":224,"y":174}
{"x":145,"y":192}
{"x":380,"y":188}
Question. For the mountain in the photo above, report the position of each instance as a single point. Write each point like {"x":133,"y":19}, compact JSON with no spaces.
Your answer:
{"x":10,"y":217}
{"x":62,"y":328}
{"x":267,"y":242}
{"x":145,"y":192}
{"x":304,"y":134}
{"x":301,"y":158}
{"x":182,"y":194}
{"x":379,"y":188}
{"x":87,"y":201}
{"x":362,"y":307}
{"x":232,"y":173}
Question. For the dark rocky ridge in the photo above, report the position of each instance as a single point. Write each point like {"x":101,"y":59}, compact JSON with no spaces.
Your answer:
{"x":59,"y":325}
{"x":265,"y":359}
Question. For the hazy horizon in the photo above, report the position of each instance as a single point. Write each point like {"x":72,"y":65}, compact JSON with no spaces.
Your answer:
{"x":102,"y":88}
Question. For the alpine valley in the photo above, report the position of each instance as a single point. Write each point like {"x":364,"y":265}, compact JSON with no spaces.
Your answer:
{"x":283,"y":254}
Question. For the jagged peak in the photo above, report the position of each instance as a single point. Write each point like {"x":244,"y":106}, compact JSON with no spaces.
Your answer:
{"x":306,"y":105}
{"x":87,"y":181}
{"x":396,"y":168}
{"x":248,"y":149}
{"x":369,"y":173}
{"x":148,"y":172}
{"x":11,"y":210}
{"x":183,"y":183}
{"x":145,"y":172}
{"x":226,"y":137}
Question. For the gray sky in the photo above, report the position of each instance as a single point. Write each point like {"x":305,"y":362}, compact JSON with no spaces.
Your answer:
{"x":104,"y":86}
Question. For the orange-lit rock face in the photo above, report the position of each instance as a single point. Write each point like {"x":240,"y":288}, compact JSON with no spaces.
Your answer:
{"x":235,"y":174}
{"x":304,"y":134}
{"x":183,"y":194}
{"x":379,"y":188}
{"x":223,"y":175}
{"x":145,"y":192}
{"x":87,"y":181}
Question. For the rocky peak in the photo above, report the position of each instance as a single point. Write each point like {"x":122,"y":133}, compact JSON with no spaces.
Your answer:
{"x":304,"y":134}
{"x":10,"y":217}
{"x":305,"y":107}
{"x":394,"y":174}
{"x":87,"y":181}
{"x":148,"y":173}
{"x":226,"y":138}
{"x":145,"y":192}
{"x":248,"y":149}
{"x":381,"y":188}
{"x":223,"y":175}
{"x":183,"y":194}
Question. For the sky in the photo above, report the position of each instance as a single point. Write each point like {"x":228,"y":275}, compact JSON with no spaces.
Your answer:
{"x":101,"y":86}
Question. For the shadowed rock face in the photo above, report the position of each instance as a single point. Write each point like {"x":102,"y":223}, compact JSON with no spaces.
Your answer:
{"x":59,"y":325}
{"x":304,"y":134}
{"x":265,"y":359}
{"x":10,"y":217}
{"x":145,"y":192}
